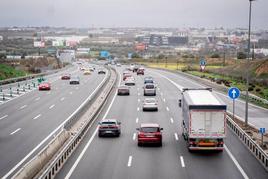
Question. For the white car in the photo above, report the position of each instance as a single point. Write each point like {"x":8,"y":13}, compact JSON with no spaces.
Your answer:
{"x":130,"y":81}
{"x":150,"y":104}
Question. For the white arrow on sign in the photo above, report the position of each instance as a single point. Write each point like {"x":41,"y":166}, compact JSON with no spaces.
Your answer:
{"x":233,"y":92}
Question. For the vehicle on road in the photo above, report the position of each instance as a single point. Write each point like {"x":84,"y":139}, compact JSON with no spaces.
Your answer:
{"x":118,"y":65}
{"x":135,"y":68}
{"x":148,"y":79}
{"x":87,"y":72}
{"x":149,"y":89}
{"x":130,"y":81}
{"x":44,"y":86}
{"x":204,"y":119}
{"x":66,"y":76}
{"x":126,"y":75}
{"x":74,"y":80}
{"x":101,"y":71}
{"x":149,"y":133}
{"x":109,"y":127}
{"x":123,"y":90}
{"x":140,"y":71}
{"x":150,"y":104}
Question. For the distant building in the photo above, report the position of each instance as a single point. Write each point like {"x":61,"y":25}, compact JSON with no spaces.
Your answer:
{"x":1,"y":38}
{"x":158,"y":40}
{"x":66,"y":56}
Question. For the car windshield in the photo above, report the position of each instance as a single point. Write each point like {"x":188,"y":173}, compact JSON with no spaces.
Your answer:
{"x":149,"y":86}
{"x":149,"y":129}
{"x":108,"y":123}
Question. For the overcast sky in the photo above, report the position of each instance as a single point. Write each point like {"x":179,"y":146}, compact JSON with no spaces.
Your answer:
{"x":133,"y":13}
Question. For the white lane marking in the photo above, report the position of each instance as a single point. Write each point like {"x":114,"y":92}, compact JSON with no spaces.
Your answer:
{"x":158,"y":89}
{"x":129,"y":161}
{"x":164,"y":100}
{"x":138,"y":109}
{"x":3,"y":117}
{"x":52,"y":106}
{"x":182,"y":162}
{"x":137,"y":120}
{"x":139,"y":100}
{"x":15,"y":131}
{"x":91,"y":139}
{"x":176,"y":136}
{"x":36,"y":117}
{"x":37,"y":99}
{"x":49,"y":92}
{"x":167,"y":109}
{"x":139,"y":94}
{"x":71,"y":92}
{"x":24,"y":106}
{"x":236,"y":163}
{"x":77,"y":88}
{"x":171,"y":120}
{"x":138,"y":89}
{"x":161,"y":94}
{"x":62,"y":98}
{"x":134,"y":136}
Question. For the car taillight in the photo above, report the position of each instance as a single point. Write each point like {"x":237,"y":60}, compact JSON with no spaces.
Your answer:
{"x":221,"y":143}
{"x":191,"y":142}
{"x":141,"y":134}
{"x":158,"y":134}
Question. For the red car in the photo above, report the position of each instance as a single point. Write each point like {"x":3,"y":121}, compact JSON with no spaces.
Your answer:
{"x":140,"y":71}
{"x":44,"y":86}
{"x":66,"y":77}
{"x":125,"y":76}
{"x":149,"y":133}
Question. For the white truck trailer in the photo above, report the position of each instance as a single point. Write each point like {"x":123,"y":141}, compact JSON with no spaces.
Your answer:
{"x":204,"y":119}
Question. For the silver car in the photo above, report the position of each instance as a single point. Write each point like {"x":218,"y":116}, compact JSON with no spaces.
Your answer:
{"x":149,"y":89}
{"x":109,"y":127}
{"x":150,"y":104}
{"x":74,"y":80}
{"x":130,"y":81}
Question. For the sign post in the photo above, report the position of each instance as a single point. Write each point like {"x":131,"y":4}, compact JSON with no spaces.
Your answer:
{"x":262,"y":131}
{"x":202,"y":64}
{"x":233,"y":93}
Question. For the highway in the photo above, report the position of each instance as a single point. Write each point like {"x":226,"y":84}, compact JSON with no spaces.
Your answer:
{"x":29,"y":121}
{"x":121,"y":158}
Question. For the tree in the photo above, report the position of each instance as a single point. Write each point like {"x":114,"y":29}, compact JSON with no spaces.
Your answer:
{"x":241,"y":55}
{"x":215,"y":55}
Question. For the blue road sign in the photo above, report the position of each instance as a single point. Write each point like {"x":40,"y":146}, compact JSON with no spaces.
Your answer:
{"x":202,"y":62}
{"x":233,"y":93}
{"x":262,"y":130}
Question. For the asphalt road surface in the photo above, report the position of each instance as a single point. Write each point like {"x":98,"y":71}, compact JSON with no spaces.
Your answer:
{"x":121,"y":158}
{"x":27,"y":121}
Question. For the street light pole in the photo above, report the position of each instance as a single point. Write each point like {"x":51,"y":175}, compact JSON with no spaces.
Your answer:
{"x":248,"y":58}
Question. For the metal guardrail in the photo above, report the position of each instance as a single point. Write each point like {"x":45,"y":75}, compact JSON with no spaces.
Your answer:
{"x":252,"y":146}
{"x":67,"y":149}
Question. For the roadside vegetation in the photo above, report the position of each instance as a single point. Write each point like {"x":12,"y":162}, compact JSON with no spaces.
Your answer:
{"x":7,"y":71}
{"x":228,"y":73}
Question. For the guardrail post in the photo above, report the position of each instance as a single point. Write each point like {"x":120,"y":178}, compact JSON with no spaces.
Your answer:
{"x":18,"y":85}
{"x":3,"y":97}
{"x":24,"y":88}
{"x":10,"y":91}
{"x":34,"y":84}
{"x":29,"y":86}
{"x":18,"y":91}
{"x":1,"y":90}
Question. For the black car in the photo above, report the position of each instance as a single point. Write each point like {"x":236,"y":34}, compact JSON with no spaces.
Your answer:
{"x":101,"y":71}
{"x":109,"y":127}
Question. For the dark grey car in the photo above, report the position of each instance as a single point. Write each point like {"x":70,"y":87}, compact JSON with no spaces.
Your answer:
{"x":109,"y":127}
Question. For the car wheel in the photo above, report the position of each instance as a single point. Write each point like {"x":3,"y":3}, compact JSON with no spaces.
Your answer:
{"x":100,"y":135}
{"x":139,"y":144}
{"x":156,"y":109}
{"x":160,"y":144}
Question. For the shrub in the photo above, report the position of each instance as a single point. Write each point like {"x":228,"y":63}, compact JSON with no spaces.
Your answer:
{"x":257,"y":89}
{"x":250,"y":89}
{"x":215,"y":55}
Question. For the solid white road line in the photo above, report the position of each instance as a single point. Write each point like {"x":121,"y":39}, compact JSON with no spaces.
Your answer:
{"x":167,"y":109}
{"x":171,"y":120}
{"x":137,"y":120}
{"x":176,"y":136}
{"x":62,"y":98}
{"x":24,"y":106}
{"x":91,"y":139}
{"x":37,"y":99}
{"x":36,"y":117}
{"x":182,"y":162}
{"x":51,"y":134}
{"x":129,"y":161}
{"x":15,"y":131}
{"x":236,"y":163}
{"x":3,"y":117}
{"x":134,"y":136}
{"x":52,"y":106}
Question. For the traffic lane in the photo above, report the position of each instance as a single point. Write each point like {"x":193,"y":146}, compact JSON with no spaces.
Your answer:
{"x":31,"y":96}
{"x":245,"y":159}
{"x":107,"y":156}
{"x":257,"y":115}
{"x":29,"y":104}
{"x":35,"y":130}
